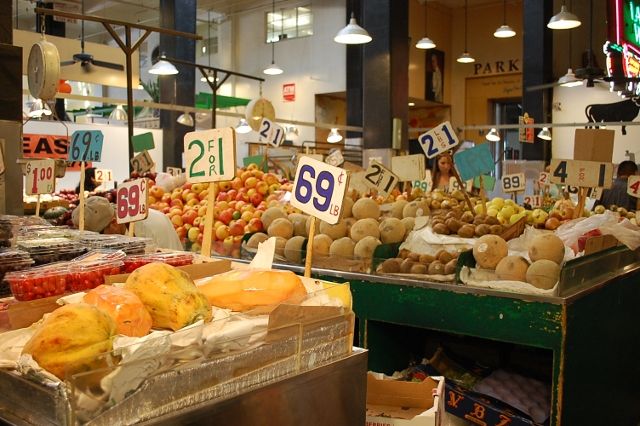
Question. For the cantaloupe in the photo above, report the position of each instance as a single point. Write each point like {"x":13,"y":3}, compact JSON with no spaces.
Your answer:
{"x":365,"y":247}
{"x":409,"y":223}
{"x":488,"y":250}
{"x":257,"y":238}
{"x":307,"y":226}
{"x":543,"y":274}
{"x":392,"y":230}
{"x":512,"y":268}
{"x":347,"y":206}
{"x":293,"y":249}
{"x":299,"y":222}
{"x":271,"y":214}
{"x":336,"y":231}
{"x":281,"y":227}
{"x":398,"y":207}
{"x":321,"y":245}
{"x":280,"y":244}
{"x":416,"y":208}
{"x":547,"y":246}
{"x":342,"y":247}
{"x":366,"y":208}
{"x":365,"y":228}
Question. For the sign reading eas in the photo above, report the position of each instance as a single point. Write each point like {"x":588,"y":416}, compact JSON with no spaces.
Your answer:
{"x":210,"y":155}
{"x":319,"y":189}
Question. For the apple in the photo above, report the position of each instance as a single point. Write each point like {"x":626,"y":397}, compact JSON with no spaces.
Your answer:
{"x":236,"y":215}
{"x":176,"y":202}
{"x":231,"y":194}
{"x":226,"y":216}
{"x":244,"y":176}
{"x":189,"y":217}
{"x":236,"y":183}
{"x":182,"y":233}
{"x":236,"y":229}
{"x":246,"y":216}
{"x":242,"y":196}
{"x":157,"y":192}
{"x":197,"y":188}
{"x":599,"y":209}
{"x":176,"y":194}
{"x":198,"y":220}
{"x":251,"y":182}
{"x":165,"y":210}
{"x":187,"y":185}
{"x":262,"y":187}
{"x":539,"y":216}
{"x":255,"y":225}
{"x":256,"y":199}
{"x":203,"y":194}
{"x":193,"y":202}
{"x":176,"y":220}
{"x":222,"y":196}
{"x":193,"y":233}
{"x":166,"y":198}
{"x":224,"y":185}
{"x":552,"y":223}
{"x":222,"y":232}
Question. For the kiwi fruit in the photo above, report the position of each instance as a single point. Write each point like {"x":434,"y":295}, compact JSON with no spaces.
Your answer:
{"x":403,"y":254}
{"x":467,"y":231}
{"x":450,"y":267}
{"x":452,"y":214}
{"x":467,"y":217}
{"x":441,"y":228}
{"x":445,"y":257}
{"x":436,"y":268}
{"x":482,"y":229}
{"x":414,"y":256}
{"x":453,"y":224}
{"x":391,"y":266}
{"x":426,"y":258}
{"x":495,"y":229}
{"x":405,"y":266}
{"x":419,"y":268}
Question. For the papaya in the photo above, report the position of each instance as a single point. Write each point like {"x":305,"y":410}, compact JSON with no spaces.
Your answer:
{"x":124,"y":307}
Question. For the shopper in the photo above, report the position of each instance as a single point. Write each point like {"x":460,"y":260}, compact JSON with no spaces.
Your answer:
{"x":441,"y":173}
{"x":617,"y":194}
{"x":90,"y":182}
{"x":100,"y":217}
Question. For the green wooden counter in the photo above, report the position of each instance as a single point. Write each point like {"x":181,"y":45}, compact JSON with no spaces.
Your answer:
{"x":592,"y":329}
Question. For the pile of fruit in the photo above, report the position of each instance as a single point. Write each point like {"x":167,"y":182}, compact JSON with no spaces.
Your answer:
{"x":442,"y":263}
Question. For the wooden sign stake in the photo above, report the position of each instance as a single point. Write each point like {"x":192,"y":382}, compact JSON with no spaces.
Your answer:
{"x":461,"y":184}
{"x":38,"y":206}
{"x":308,"y":260}
{"x":483,"y":195}
{"x":81,"y":205}
{"x":582,"y":198}
{"x":132,"y":229}
{"x":208,"y":221}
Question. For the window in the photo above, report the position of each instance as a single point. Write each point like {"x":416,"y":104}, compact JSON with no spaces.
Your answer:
{"x":289,"y":23}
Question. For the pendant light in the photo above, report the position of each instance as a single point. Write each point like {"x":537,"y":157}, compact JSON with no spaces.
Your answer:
{"x":504,"y":30}
{"x":352,"y":33}
{"x":38,"y":109}
{"x":425,"y":42}
{"x":118,"y":114}
{"x":273,"y":69}
{"x":209,"y":76}
{"x":545,"y":134}
{"x":243,"y":127}
{"x":163,"y":67}
{"x":185,"y":119}
{"x":334,"y":136}
{"x":465,"y":58}
{"x":493,"y":135}
{"x":564,"y":20}
{"x":569,"y":79}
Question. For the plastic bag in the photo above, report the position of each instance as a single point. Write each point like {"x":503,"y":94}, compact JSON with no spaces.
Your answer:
{"x":168,"y":182}
{"x":608,"y":223}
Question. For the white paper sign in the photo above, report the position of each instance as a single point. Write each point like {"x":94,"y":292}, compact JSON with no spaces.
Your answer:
{"x":380,"y":178}
{"x":40,"y":176}
{"x":438,"y":140}
{"x":513,"y":183}
{"x":132,"y":201}
{"x":210,"y":155}
{"x":271,"y":132}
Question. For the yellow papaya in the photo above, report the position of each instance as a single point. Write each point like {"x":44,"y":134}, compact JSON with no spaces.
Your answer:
{"x":169,"y":294}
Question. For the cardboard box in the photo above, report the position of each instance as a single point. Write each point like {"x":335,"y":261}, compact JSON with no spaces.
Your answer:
{"x":195,"y":271}
{"x":593,"y":145}
{"x":398,"y":403}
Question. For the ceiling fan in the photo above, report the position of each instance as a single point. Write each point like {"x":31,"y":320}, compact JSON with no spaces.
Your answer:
{"x":86,"y":60}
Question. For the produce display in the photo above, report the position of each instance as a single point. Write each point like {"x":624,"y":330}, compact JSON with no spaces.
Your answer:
{"x":124,"y":307}
{"x":12,"y":260}
{"x":131,"y":263}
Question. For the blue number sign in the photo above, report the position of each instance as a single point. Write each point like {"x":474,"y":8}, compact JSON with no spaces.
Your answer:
{"x":86,"y":145}
{"x":439,"y":139}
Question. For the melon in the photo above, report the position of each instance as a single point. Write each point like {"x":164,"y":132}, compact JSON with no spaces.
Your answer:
{"x":307,"y":226}
{"x":293,"y":249}
{"x":398,"y":207}
{"x":280,"y":245}
{"x":280,"y":227}
{"x":299,"y":222}
{"x":342,"y":247}
{"x":512,"y":268}
{"x":547,"y":246}
{"x":336,"y":231}
{"x":366,"y":208}
{"x":271,"y":214}
{"x":543,"y":274}
{"x":488,"y":250}
{"x":392,"y":230}
{"x":409,"y":223}
{"x":257,"y":238}
{"x":416,"y":208}
{"x":347,"y":206}
{"x":321,"y":245}
{"x":365,"y":247}
{"x":365,"y":228}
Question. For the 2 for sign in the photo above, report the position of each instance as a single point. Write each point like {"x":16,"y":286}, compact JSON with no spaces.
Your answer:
{"x":439,"y":139}
{"x":40,"y":176}
{"x":210,"y":155}
{"x":380,"y":178}
{"x":131,"y":201}
{"x":271,"y":132}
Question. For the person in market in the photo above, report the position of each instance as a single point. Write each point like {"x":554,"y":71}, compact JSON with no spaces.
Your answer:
{"x":90,"y":182}
{"x":441,"y":172}
{"x":617,"y":194}
{"x":100,"y":217}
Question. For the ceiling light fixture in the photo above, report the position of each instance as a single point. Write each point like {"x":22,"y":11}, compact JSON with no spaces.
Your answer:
{"x":425,"y":42}
{"x":564,"y":20}
{"x":334,"y":136}
{"x":569,"y":79}
{"x":273,"y":69}
{"x":504,"y":30}
{"x":493,"y":135}
{"x":118,"y":114}
{"x":466,"y":57}
{"x":243,"y":127}
{"x":38,"y":109}
{"x":545,"y":134}
{"x":291,"y":133}
{"x":185,"y":119}
{"x":163,"y":67}
{"x":352,"y":33}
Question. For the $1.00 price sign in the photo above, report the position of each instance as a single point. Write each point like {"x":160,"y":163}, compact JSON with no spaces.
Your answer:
{"x":86,"y":145}
{"x":131,"y":201}
{"x":513,"y":183}
{"x":273,"y":133}
{"x":319,"y":189}
{"x":633,"y":186}
{"x":40,"y":176}
{"x":439,"y":139}
{"x":586,"y":174}
{"x":104,"y":175}
{"x":210,"y":155}
{"x":380,"y":178}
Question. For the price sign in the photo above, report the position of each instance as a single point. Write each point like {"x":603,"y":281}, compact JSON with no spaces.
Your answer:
{"x":142,"y":162}
{"x":174,"y":171}
{"x":271,"y":132}
{"x":633,"y":186}
{"x":513,"y":183}
{"x":86,"y":145}
{"x":425,"y":184}
{"x":594,"y":193}
{"x":586,"y":174}
{"x":380,"y":178}
{"x":319,"y":189}
{"x":454,"y":186}
{"x":488,"y":182}
{"x":534,"y":201}
{"x":131,"y":201}
{"x":409,"y":167}
{"x":474,"y":161}
{"x":335,"y":158}
{"x":104,"y":175}
{"x":543,"y":179}
{"x":210,"y":155}
{"x":358,"y":183}
{"x":439,"y":139}
{"x":40,"y":176}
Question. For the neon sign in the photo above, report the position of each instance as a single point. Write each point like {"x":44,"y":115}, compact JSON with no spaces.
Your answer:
{"x":623,"y":47}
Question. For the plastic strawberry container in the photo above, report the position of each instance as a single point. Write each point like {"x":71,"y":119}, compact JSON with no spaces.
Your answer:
{"x":38,"y":282}
{"x":12,"y":260}
{"x":130,"y":245}
{"x":131,"y":263}
{"x":86,"y":275}
{"x":51,"y":250}
{"x":9,"y":226}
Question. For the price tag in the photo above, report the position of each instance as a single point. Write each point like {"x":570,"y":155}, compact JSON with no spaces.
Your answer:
{"x":474,"y":161}
{"x":86,"y":145}
{"x":40,"y":176}
{"x":633,"y":186}
{"x":513,"y":183}
{"x":535,"y":201}
{"x":131,"y":201}
{"x":142,"y":162}
{"x":425,"y":184}
{"x":409,"y":167}
{"x":335,"y":158}
{"x":439,"y":139}
{"x":380,"y":178}
{"x":319,"y":189}
{"x":488,"y":181}
{"x":210,"y":155}
{"x":582,"y":173}
{"x":358,"y":183}
{"x":175,"y":171}
{"x":453,"y":185}
{"x":543,"y":179}
{"x":594,"y":193}
{"x":271,"y":132}
{"x":104,"y":175}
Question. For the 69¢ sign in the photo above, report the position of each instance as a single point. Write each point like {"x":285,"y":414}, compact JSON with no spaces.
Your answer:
{"x":131,"y":201}
{"x":319,"y":189}
{"x":210,"y":155}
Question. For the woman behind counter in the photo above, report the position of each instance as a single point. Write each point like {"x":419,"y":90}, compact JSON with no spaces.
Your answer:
{"x":441,"y":172}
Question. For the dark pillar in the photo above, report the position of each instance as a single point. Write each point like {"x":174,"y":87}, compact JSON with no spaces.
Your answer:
{"x":355,"y":56}
{"x":10,"y":67}
{"x":536,"y":57}
{"x":54,"y":28}
{"x":179,"y":89}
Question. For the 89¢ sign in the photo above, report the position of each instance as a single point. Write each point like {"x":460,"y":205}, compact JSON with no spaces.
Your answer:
{"x":210,"y":155}
{"x":131,"y":201}
{"x":319,"y":189}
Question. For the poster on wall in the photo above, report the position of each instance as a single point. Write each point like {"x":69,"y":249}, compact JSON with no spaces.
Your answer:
{"x":434,"y":78}
{"x":289,"y":92}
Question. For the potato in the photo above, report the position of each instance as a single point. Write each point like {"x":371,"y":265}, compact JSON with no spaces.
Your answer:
{"x":392,"y":230}
{"x":467,"y":231}
{"x":365,"y":247}
{"x":436,"y":268}
{"x":418,"y":268}
{"x":445,"y":257}
{"x":453,"y":224}
{"x":342,"y":247}
{"x":414,"y":256}
{"x":482,"y":229}
{"x":441,"y":228}
{"x":390,"y":266}
{"x":450,"y":267}
{"x":366,"y":208}
{"x":467,"y":217}
{"x":293,"y":249}
{"x":404,"y":253}
{"x":490,"y":220}
{"x":365,"y":228}
{"x":495,"y":229}
{"x":426,"y":258}
{"x":405,"y":266}
{"x":488,"y":250}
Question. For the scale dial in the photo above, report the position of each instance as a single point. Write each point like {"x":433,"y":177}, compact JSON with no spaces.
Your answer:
{"x":43,"y":70}
{"x":258,"y":109}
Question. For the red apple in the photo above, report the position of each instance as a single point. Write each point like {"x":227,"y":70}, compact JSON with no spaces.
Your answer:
{"x":222,"y":196}
{"x":157,"y":192}
{"x":189,"y":217}
{"x":255,"y":225}
{"x":256,"y":199}
{"x":236,"y":229}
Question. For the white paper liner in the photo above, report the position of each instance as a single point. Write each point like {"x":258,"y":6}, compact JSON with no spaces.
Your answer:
{"x":486,"y":278}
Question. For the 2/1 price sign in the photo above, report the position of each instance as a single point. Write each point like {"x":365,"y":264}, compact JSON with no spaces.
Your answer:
{"x":380,"y":178}
{"x":535,"y":201}
{"x":142,"y":162}
{"x":586,"y":174}
{"x":86,"y":145}
{"x":104,"y":175}
{"x":174,"y":171}
{"x":633,"y":186}
{"x":40,"y":176}
{"x":439,"y":139}
{"x":513,"y":183}
{"x":543,"y":179}
{"x":210,"y":155}
{"x":271,"y":132}
{"x":319,"y":189}
{"x":131,"y":201}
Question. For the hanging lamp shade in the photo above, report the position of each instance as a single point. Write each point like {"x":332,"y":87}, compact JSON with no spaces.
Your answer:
{"x":163,"y":67}
{"x":273,"y":69}
{"x":291,"y":133}
{"x":38,"y":109}
{"x":564,"y":20}
{"x":504,"y":31}
{"x":352,"y":33}
{"x":243,"y":127}
{"x":569,"y":79}
{"x":545,"y":134}
{"x":185,"y":119}
{"x":118,"y":114}
{"x":465,"y":58}
{"x":493,"y":135}
{"x":425,"y":43}
{"x":334,"y":136}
